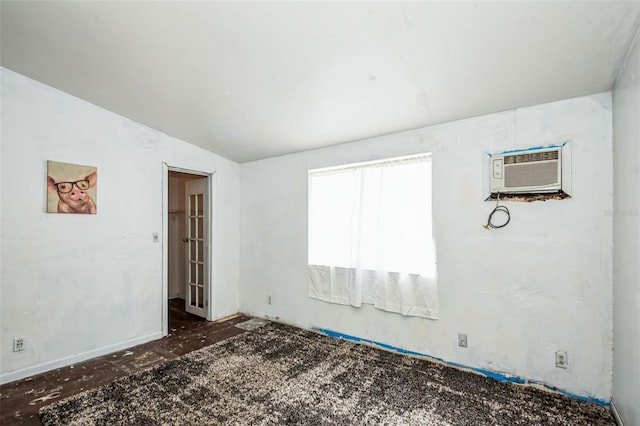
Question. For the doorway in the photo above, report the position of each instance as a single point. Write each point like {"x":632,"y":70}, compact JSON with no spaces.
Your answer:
{"x":187,"y":262}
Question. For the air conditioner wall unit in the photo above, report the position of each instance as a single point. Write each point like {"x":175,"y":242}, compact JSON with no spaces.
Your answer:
{"x":534,"y":170}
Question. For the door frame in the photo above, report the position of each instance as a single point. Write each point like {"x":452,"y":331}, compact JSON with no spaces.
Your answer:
{"x":210,"y":175}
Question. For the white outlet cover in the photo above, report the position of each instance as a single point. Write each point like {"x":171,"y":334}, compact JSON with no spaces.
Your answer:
{"x":18,"y":344}
{"x":462,"y":340}
{"x":562,"y":359}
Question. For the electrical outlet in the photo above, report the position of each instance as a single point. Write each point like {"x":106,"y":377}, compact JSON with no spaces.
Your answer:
{"x":156,"y":237}
{"x":18,"y":344}
{"x":562,"y":359}
{"x":462,"y":340}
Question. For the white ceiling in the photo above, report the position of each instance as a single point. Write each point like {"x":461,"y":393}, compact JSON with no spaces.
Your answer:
{"x":250,"y":80}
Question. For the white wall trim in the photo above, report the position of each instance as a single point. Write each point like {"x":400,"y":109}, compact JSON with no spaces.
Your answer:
{"x":164,"y":320}
{"x":211,"y":273}
{"x":615,"y":413}
{"x":63,"y":362}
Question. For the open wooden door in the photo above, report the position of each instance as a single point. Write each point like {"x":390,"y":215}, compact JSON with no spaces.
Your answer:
{"x":197,"y":271}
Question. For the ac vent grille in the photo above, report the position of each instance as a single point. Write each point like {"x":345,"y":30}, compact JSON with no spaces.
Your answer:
{"x":534,"y":174}
{"x":531,"y":157}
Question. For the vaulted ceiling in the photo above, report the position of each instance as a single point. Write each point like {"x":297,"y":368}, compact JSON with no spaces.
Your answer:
{"x":250,"y":80}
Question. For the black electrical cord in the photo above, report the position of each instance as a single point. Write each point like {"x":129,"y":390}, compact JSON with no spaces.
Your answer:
{"x":498,"y":208}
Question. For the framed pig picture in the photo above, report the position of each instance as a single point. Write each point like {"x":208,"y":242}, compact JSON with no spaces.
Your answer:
{"x":71,"y":188}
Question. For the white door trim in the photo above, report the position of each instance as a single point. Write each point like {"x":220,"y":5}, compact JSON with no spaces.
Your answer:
{"x":210,"y":175}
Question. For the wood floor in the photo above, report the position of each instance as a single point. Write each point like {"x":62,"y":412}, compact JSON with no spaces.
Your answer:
{"x":21,"y":400}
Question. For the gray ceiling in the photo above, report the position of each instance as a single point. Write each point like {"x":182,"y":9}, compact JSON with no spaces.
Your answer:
{"x":250,"y":80}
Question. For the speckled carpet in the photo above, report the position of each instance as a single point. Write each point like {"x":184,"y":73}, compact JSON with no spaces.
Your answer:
{"x":280,"y":375}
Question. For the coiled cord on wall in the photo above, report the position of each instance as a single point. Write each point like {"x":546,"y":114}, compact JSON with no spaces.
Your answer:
{"x":498,"y":208}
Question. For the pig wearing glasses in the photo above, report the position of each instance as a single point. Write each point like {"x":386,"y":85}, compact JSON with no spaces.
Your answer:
{"x":74,"y":197}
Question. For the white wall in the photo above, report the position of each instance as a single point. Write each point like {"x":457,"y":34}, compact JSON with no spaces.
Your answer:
{"x":77,"y":286}
{"x":520,"y":293}
{"x":626,"y":240}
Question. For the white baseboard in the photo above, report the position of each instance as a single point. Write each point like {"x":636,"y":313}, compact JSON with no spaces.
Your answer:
{"x":616,"y":416}
{"x":63,"y":362}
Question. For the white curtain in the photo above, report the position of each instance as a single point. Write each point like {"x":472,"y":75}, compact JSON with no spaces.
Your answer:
{"x":370,"y":236}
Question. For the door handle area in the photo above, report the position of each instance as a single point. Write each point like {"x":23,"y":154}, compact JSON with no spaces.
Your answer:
{"x":185,"y":240}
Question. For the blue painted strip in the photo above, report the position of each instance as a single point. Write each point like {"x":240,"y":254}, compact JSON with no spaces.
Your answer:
{"x":533,"y":148}
{"x":502,"y":377}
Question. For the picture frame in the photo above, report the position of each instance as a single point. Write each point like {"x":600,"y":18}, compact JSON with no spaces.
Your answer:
{"x":71,"y":188}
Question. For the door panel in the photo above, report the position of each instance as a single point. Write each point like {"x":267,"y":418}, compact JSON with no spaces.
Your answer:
{"x":196,"y":219}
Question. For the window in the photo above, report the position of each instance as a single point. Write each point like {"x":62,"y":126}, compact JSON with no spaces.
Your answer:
{"x":370,"y":238}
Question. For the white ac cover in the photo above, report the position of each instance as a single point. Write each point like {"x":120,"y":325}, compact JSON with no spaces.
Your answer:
{"x":525,"y":172}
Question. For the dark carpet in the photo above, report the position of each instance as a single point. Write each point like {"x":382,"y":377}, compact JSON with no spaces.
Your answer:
{"x":281,"y":375}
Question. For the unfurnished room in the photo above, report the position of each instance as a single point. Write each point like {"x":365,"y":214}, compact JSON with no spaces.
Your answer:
{"x":320,"y":213}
